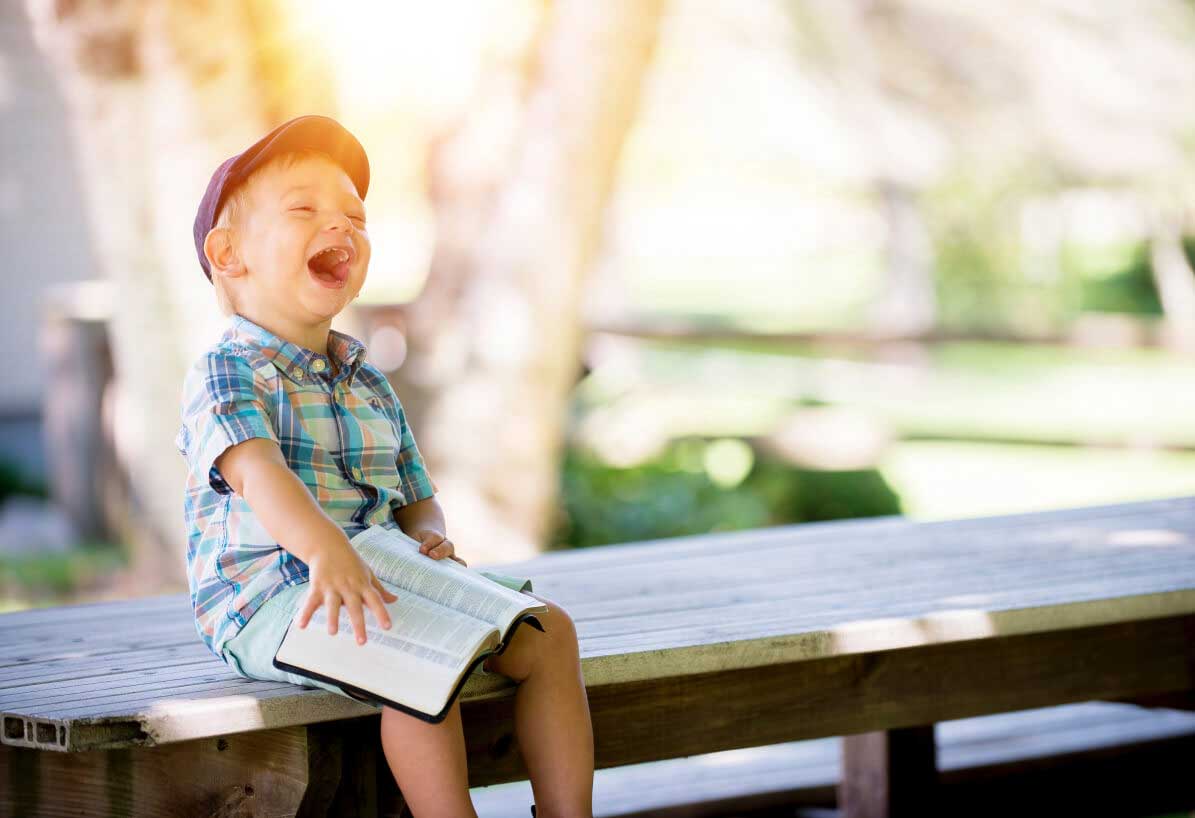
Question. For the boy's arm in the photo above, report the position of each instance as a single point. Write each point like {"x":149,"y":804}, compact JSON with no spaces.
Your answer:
{"x":257,"y":470}
{"x":422,"y":515}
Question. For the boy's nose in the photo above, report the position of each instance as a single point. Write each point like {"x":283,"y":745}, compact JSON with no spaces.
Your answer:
{"x":343,"y":223}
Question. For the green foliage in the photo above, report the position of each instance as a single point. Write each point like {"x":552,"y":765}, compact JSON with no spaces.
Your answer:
{"x":13,"y":480}
{"x":973,"y":217}
{"x":1120,"y":278}
{"x":674,"y":496}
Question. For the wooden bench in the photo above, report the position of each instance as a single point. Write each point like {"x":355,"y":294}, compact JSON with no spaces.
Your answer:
{"x":871,"y":629}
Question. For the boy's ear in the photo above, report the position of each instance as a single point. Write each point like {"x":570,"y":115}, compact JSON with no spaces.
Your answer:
{"x":221,"y":254}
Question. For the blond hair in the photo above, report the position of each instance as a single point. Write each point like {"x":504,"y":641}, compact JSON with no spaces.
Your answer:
{"x":232,"y":210}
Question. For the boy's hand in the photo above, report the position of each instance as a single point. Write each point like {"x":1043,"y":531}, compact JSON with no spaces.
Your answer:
{"x":339,"y":576}
{"x":436,"y":545}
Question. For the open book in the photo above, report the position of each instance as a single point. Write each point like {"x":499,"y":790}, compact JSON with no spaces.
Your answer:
{"x":447,"y":620}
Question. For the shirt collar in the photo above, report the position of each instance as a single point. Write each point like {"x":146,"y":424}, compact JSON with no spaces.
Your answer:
{"x":295,"y":362}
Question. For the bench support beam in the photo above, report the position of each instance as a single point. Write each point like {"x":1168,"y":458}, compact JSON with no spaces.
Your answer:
{"x":314,"y":771}
{"x":889,"y":773}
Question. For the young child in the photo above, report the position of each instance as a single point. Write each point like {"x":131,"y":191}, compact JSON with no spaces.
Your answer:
{"x":295,"y":443}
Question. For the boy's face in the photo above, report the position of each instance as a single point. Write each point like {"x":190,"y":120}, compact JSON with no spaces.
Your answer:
{"x":292,"y":214}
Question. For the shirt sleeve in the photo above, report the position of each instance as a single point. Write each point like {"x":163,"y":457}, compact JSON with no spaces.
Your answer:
{"x":413,"y":478}
{"x":224,"y":403}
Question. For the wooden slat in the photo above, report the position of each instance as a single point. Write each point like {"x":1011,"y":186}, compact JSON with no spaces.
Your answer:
{"x":52,"y":670}
{"x":1041,"y":611}
{"x":88,"y":612}
{"x":160,"y":682}
{"x":46,"y":648}
{"x":857,"y":532}
{"x":109,"y":651}
{"x":878,"y":599}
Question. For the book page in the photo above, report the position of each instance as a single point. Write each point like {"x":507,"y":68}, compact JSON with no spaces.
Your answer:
{"x":416,"y":662}
{"x":395,"y":558}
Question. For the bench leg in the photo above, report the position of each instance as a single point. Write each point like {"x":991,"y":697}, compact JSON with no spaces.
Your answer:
{"x":889,"y":773}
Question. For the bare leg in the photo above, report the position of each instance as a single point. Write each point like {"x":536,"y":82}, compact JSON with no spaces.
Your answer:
{"x":428,"y":762}
{"x":552,"y":714}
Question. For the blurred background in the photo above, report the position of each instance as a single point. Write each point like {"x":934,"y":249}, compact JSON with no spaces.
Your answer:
{"x":640,"y":269}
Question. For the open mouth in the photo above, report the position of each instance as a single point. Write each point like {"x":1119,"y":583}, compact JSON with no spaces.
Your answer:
{"x":330,"y":266}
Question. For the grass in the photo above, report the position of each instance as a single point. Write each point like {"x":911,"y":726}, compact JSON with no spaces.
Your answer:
{"x":48,"y":579}
{"x":949,"y":480}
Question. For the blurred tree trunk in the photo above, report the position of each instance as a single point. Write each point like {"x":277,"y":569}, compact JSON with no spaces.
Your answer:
{"x":907,"y":303}
{"x":1173,"y":278}
{"x":494,"y":339}
{"x":159,"y":94}
{"x":855,"y":61}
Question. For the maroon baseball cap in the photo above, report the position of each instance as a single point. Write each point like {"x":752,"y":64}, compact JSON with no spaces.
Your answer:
{"x":311,"y":131}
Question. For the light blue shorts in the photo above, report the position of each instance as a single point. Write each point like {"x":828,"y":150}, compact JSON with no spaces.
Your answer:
{"x":251,"y":652}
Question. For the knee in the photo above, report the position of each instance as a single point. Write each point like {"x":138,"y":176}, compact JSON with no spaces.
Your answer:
{"x":560,"y":630}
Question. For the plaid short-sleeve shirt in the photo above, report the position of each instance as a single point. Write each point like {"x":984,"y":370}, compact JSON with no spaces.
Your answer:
{"x":346,"y":436}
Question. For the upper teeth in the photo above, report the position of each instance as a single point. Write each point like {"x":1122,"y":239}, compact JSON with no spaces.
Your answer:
{"x":344,"y":254}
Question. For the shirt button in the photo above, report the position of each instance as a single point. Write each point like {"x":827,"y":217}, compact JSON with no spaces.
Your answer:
{"x":357,"y":472}
{"x":297,"y":373}
{"x":318,"y":365}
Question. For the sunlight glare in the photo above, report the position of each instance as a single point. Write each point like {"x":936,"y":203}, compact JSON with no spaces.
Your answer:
{"x":411,"y":55}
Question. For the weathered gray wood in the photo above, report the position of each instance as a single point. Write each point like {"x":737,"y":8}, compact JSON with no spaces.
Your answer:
{"x":50,"y":672}
{"x":858,"y":532}
{"x":702,"y":607}
{"x":84,"y":612}
{"x":754,"y":639}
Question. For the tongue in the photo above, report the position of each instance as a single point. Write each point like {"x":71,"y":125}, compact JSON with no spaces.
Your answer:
{"x":329,"y":273}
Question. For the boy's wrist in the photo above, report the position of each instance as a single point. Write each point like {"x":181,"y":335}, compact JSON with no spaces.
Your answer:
{"x":319,"y":540}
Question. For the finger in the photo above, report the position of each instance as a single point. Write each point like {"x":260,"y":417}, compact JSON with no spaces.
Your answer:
{"x":444,"y":549}
{"x":387,"y":594}
{"x":461,"y":561}
{"x":430,"y":540}
{"x":309,"y":606}
{"x":357,"y":617}
{"x":332,"y":601}
{"x":374,"y":600}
